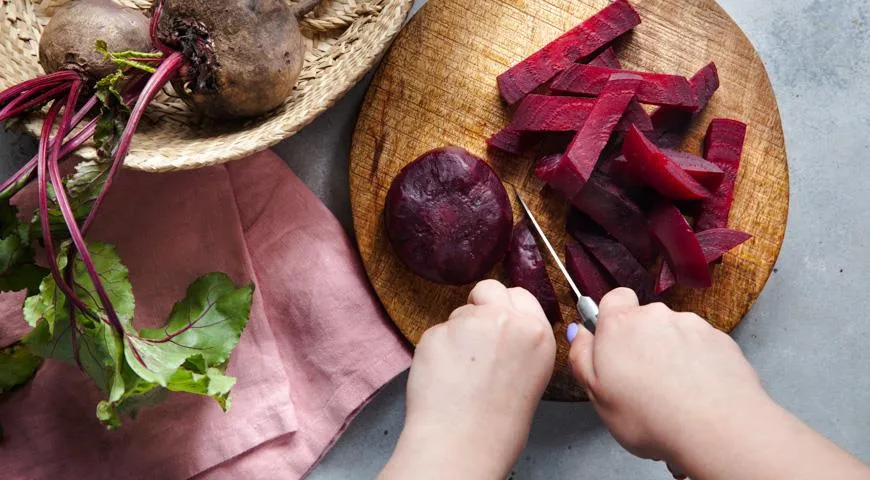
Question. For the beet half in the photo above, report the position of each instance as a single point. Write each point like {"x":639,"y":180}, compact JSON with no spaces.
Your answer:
{"x":448,"y":216}
{"x":527,"y":269}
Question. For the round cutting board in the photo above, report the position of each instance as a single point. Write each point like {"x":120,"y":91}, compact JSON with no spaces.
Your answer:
{"x":437,"y":86}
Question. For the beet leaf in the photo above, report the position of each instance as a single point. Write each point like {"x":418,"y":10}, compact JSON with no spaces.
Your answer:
{"x":17,"y":366}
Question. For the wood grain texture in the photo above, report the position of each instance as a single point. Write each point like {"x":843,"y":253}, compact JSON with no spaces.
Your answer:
{"x":437,"y":86}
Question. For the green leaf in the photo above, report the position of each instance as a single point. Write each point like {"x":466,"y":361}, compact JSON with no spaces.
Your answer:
{"x":213,"y":383}
{"x":18,"y":269}
{"x":17,"y":366}
{"x":127,"y":58}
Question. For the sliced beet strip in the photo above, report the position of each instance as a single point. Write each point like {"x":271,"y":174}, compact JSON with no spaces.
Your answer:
{"x":510,"y":141}
{"x":635,"y":114}
{"x":655,"y":88}
{"x":579,"y":42}
{"x":723,"y":146}
{"x":704,"y":172}
{"x":573,"y":169}
{"x":681,"y":247}
{"x":648,"y":163}
{"x":612,"y":209}
{"x":591,"y":281}
{"x":714,"y":243}
{"x":556,"y":113}
{"x":527,"y":269}
{"x":670,"y":124}
{"x":620,"y":264}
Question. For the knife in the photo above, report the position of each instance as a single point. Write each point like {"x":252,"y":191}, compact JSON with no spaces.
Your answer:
{"x":587,"y":307}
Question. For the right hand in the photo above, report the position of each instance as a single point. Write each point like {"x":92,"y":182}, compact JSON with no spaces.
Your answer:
{"x":660,"y":380}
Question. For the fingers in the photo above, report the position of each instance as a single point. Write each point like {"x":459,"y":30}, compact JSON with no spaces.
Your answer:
{"x":526,"y":303}
{"x":580,"y":357}
{"x":617,"y":300}
{"x":488,"y":292}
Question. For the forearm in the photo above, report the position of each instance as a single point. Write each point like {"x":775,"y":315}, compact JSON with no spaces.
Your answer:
{"x":765,"y":442}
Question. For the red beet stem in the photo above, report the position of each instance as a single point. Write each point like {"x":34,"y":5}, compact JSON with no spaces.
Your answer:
{"x":650,"y":165}
{"x":38,"y":85}
{"x":724,"y":148}
{"x":24,"y":103}
{"x":655,"y":88}
{"x":153,"y":27}
{"x":164,"y":74}
{"x":581,"y":41}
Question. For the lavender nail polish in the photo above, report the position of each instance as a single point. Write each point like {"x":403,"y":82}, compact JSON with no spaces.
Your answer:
{"x":572,"y":332}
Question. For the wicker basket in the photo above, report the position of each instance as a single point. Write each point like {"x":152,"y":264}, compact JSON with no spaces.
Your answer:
{"x":344,"y":39}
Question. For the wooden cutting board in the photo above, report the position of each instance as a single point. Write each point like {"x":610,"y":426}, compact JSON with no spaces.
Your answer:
{"x":437,"y":86}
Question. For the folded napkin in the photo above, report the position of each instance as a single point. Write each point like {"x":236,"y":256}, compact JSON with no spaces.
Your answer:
{"x":316,"y":349}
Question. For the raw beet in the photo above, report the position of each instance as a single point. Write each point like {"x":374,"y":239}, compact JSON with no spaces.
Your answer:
{"x":723,"y":146}
{"x":581,"y":41}
{"x":649,"y":164}
{"x":69,"y":39}
{"x":704,"y":172}
{"x":527,"y":269}
{"x":508,"y":140}
{"x":670,"y":124}
{"x":620,"y":264}
{"x":612,"y":209}
{"x":448,"y":216}
{"x":655,"y":88}
{"x":714,"y":243}
{"x":245,"y":56}
{"x":681,"y":248}
{"x":553,"y":113}
{"x":573,"y":169}
{"x":635,"y":113}
{"x":591,"y":281}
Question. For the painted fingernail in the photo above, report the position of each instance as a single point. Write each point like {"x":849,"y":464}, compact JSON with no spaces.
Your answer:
{"x":572,"y":332}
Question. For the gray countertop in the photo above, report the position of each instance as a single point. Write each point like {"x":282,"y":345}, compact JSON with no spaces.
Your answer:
{"x":809,"y":333}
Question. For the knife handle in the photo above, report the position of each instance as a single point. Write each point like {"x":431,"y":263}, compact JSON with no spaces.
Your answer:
{"x":588,"y":313}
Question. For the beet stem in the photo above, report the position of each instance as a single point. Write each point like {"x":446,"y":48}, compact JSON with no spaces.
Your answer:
{"x":23,"y":104}
{"x":38,"y":84}
{"x":153,"y":27}
{"x":155,"y":84}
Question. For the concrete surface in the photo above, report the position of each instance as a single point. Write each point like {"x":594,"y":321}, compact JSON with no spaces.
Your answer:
{"x":809,"y":334}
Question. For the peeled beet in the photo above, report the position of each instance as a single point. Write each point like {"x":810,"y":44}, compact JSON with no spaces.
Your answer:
{"x":620,"y":264}
{"x":591,"y":281}
{"x":670,"y":124}
{"x":527,"y":269}
{"x":635,"y":114}
{"x":553,"y":113}
{"x":574,"y":168}
{"x":714,"y":243}
{"x":509,"y":140}
{"x":612,"y":208}
{"x":448,"y":216}
{"x":680,"y":245}
{"x":723,"y":147}
{"x":581,"y":41}
{"x":704,"y":172}
{"x":655,"y":88}
{"x":652,"y":166}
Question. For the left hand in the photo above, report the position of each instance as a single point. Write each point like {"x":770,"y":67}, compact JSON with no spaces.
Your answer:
{"x":474,"y":385}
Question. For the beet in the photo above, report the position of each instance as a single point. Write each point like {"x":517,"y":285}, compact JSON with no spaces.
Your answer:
{"x":527,"y":269}
{"x":448,"y":216}
{"x":635,"y":114}
{"x":704,"y":172}
{"x":69,"y":39}
{"x":620,"y":264}
{"x":508,"y":140}
{"x":681,"y":248}
{"x":714,"y":243}
{"x":591,"y":281}
{"x":649,"y":164}
{"x":553,"y":113}
{"x":670,"y":124}
{"x":607,"y":58}
{"x":723,"y":147}
{"x":655,"y":88}
{"x":611,"y":207}
{"x":579,"y":42}
{"x":572,"y":171}
{"x":244,"y":56}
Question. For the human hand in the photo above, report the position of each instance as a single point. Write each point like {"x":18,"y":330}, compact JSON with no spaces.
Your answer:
{"x":662,"y":380}
{"x":474,"y":384}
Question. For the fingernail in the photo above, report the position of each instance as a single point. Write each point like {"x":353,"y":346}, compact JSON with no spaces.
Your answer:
{"x":572,"y":332}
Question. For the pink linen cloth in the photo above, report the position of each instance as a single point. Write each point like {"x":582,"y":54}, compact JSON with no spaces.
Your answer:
{"x":316,"y":349}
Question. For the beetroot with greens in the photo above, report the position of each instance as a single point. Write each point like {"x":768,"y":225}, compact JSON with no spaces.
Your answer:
{"x":572,"y":170}
{"x":680,"y":245}
{"x":581,"y":41}
{"x":527,"y":269}
{"x":448,"y":216}
{"x":714,"y":243}
{"x":723,"y":147}
{"x":647,"y":162}
{"x":655,"y":88}
{"x":591,"y":281}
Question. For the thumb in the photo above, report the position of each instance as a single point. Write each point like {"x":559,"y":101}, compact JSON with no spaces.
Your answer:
{"x":580,"y":356}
